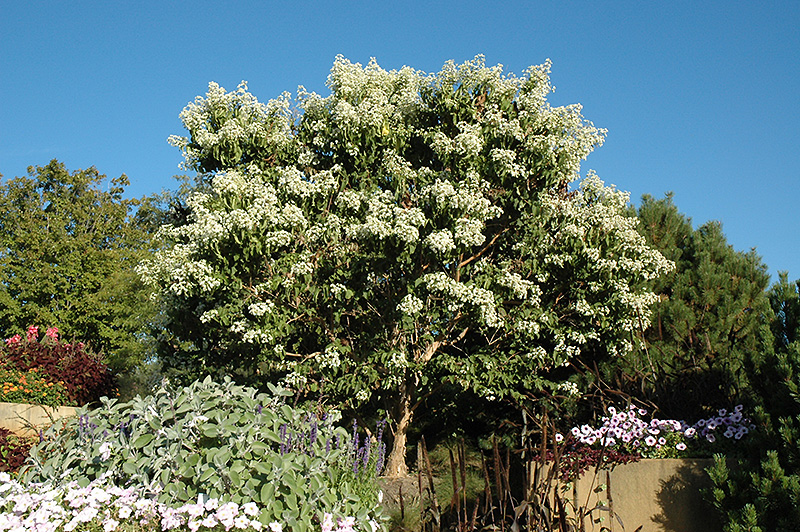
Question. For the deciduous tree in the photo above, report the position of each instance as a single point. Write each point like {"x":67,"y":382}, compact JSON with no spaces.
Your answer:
{"x":406,"y":229}
{"x":69,"y":242}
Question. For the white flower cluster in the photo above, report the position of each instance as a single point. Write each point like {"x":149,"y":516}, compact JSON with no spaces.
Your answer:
{"x":521,"y":288}
{"x":366,"y":99}
{"x":469,"y":142}
{"x":507,"y":161}
{"x":410,"y":305}
{"x":255,"y":336}
{"x":226,"y":118}
{"x":464,"y":197}
{"x":441,"y":242}
{"x":570,"y":388}
{"x":260,"y":308}
{"x":329,"y":359}
{"x":297,"y":184}
{"x":384,"y":218}
{"x":529,"y":327}
{"x":338,"y":289}
{"x":458,"y":295}
{"x":183,"y":275}
{"x":295,"y":381}
{"x":209,"y":316}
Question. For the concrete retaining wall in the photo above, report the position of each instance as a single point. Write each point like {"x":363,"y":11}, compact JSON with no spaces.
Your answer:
{"x":25,"y":420}
{"x":658,"y":495}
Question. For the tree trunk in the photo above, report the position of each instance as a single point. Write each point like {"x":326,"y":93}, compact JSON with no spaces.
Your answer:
{"x":396,"y":463}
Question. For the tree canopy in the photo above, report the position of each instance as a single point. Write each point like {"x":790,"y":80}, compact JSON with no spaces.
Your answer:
{"x":69,"y":243}
{"x":406,"y":230}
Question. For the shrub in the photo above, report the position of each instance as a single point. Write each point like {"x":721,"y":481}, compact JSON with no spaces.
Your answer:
{"x":13,"y":451}
{"x":83,"y":373}
{"x":31,"y":386}
{"x":217,"y":441}
{"x":759,"y":490}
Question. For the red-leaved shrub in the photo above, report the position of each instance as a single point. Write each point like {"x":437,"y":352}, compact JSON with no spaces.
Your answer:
{"x":83,"y":373}
{"x":13,"y":451}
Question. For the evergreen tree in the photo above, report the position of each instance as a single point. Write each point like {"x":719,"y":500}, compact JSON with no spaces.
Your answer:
{"x":713,"y":313}
{"x":761,"y":493}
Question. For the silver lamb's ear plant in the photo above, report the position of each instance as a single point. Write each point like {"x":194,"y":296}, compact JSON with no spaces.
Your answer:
{"x":216,"y":441}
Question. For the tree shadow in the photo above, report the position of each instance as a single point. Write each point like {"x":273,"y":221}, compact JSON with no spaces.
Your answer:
{"x":681,"y":502}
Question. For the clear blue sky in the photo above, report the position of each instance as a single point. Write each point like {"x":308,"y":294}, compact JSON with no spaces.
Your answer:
{"x":700,"y":98}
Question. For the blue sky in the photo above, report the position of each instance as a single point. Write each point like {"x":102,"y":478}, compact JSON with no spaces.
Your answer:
{"x":699,"y":98}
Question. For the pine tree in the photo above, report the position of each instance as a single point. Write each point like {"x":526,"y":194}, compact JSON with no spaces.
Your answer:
{"x":713,"y":313}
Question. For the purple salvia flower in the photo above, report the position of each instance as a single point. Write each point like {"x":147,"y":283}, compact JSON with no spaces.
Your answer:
{"x":283,"y":439}
{"x":380,"y":429}
{"x":355,"y":438}
{"x":381,"y":458}
{"x":313,"y":436}
{"x":366,"y":451}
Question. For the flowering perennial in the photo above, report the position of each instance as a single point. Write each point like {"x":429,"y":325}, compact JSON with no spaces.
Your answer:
{"x":660,"y":437}
{"x":47,"y":508}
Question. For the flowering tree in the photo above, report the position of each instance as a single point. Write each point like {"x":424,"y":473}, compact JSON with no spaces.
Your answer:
{"x":406,"y":229}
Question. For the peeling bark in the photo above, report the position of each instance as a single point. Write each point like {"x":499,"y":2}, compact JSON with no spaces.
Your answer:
{"x":396,"y":463}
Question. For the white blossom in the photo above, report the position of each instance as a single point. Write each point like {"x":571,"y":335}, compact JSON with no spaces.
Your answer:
{"x":410,"y":305}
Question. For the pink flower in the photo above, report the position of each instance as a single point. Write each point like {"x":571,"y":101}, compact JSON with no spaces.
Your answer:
{"x":33,"y":333}
{"x":13,"y":341}
{"x":327,"y":523}
{"x":52,"y":333}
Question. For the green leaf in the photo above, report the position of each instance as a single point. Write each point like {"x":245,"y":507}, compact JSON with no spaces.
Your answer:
{"x":267,"y":492}
{"x":207,"y":474}
{"x":142,"y":441}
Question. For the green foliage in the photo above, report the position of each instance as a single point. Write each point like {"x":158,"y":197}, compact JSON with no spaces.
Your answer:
{"x":761,"y":490}
{"x":68,"y":246}
{"x":713,"y":314}
{"x":405,"y":231}
{"x":784,"y":297}
{"x":216,"y":440}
